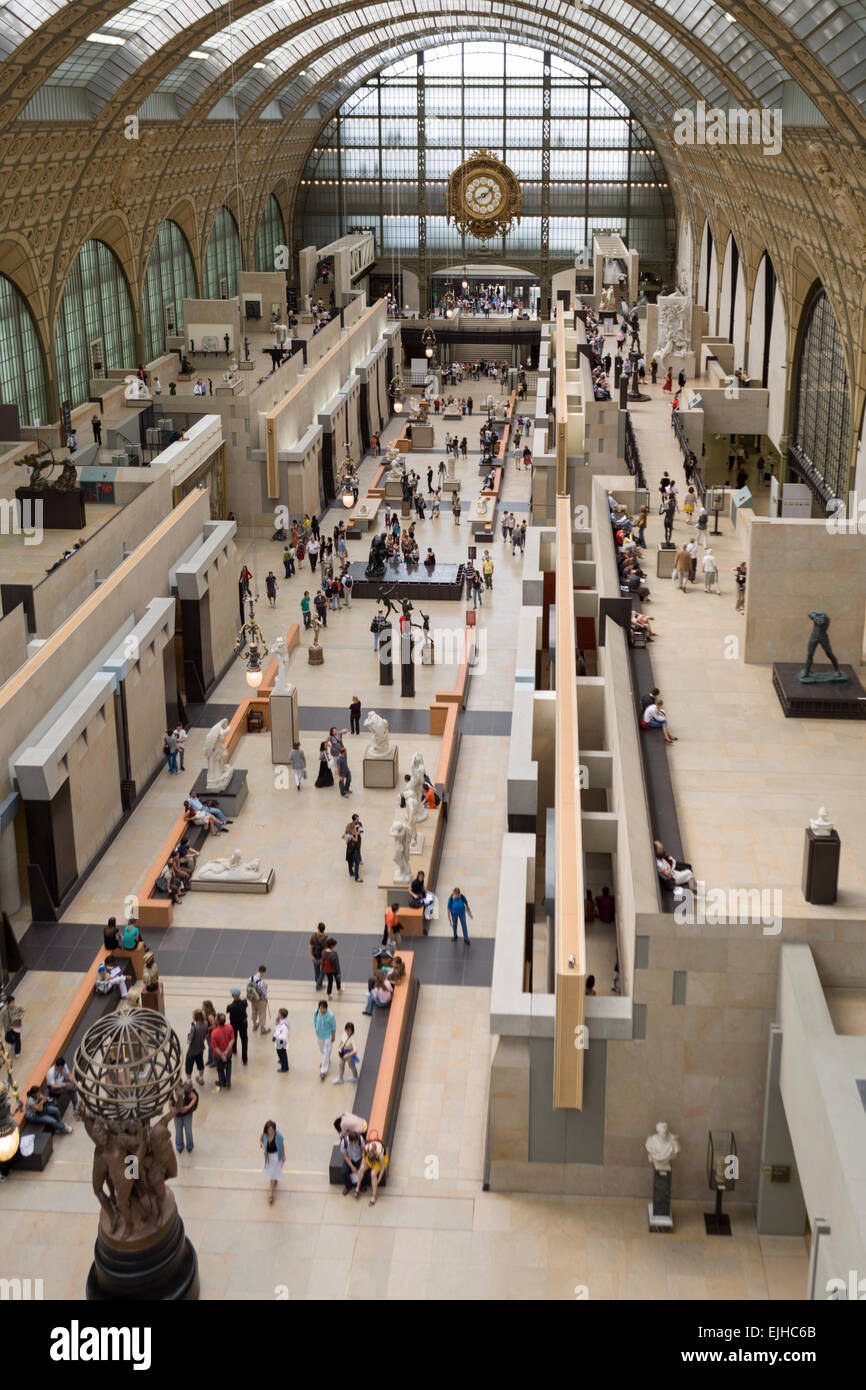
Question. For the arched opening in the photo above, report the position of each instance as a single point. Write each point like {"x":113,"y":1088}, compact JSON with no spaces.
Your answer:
{"x":271,"y":238}
{"x":222,"y":261}
{"x":731,"y":299}
{"x":22,"y":366}
{"x":95,"y":329}
{"x":822,"y":405}
{"x":761,"y":322}
{"x":168,"y":280}
{"x":704,"y":267}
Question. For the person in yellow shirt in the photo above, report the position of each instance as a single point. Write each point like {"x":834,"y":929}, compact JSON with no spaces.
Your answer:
{"x":487,"y":570}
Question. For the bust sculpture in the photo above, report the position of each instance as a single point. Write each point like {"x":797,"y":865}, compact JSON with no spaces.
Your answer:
{"x":231,"y":870}
{"x":219,"y":771}
{"x":662,"y":1148}
{"x":821,"y":826}
{"x":280,"y":651}
{"x":401,"y":830}
{"x":819,"y":638}
{"x":378,"y":727}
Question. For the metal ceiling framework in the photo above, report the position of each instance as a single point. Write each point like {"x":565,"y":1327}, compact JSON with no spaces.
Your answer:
{"x":297,"y":53}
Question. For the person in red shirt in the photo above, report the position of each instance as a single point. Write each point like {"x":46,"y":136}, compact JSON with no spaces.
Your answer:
{"x":221,"y":1040}
{"x":606,"y":906}
{"x":392,"y":933}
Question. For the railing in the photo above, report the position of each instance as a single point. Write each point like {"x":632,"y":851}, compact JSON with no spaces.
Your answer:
{"x":696,"y":478}
{"x":806,"y":470}
{"x":632,"y":454}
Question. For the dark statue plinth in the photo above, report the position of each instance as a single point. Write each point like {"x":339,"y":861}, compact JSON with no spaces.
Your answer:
{"x":818,"y":699}
{"x":822,"y":677}
{"x":126,"y":1069}
{"x":661,"y":1193}
{"x":821,"y":855}
{"x":414,"y":581}
{"x":58,"y":510}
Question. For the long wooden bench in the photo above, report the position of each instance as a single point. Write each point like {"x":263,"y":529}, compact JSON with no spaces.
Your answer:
{"x":154,"y":910}
{"x":376,"y":1097}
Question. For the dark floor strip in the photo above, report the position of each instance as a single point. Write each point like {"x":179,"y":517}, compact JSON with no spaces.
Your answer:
{"x":212,"y":951}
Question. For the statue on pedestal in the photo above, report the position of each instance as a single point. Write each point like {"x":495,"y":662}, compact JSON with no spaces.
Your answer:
{"x":381,"y":745}
{"x":219,"y":772}
{"x":315,"y":653}
{"x":674,"y":326}
{"x":416,"y":784}
{"x":819,"y":638}
{"x":662,"y":1148}
{"x":231,"y":870}
{"x":280,"y":651}
{"x":821,"y":826}
{"x":377,"y":557}
{"x":607,"y":302}
{"x":402,"y":833}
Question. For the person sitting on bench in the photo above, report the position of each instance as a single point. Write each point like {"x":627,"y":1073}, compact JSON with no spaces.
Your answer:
{"x":654,"y":717}
{"x":110,"y":934}
{"x":674,"y":873}
{"x":202,"y":817}
{"x":210,"y":806}
{"x":381,"y":993}
{"x":59,"y":1082}
{"x":39,"y":1111}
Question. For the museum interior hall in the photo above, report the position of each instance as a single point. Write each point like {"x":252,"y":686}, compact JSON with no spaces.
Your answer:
{"x":389,"y":390}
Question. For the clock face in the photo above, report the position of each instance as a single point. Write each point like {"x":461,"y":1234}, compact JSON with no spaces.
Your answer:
{"x":483,"y":195}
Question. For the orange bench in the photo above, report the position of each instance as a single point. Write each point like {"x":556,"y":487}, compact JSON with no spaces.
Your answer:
{"x":383,"y":1110}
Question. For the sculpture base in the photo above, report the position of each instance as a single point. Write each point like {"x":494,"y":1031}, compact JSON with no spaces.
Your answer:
{"x":59,"y":511}
{"x":382,"y":772}
{"x":717,"y":1225}
{"x":316,"y":656}
{"x":830,"y":677}
{"x":284,"y":724}
{"x":417,"y":845}
{"x":228,"y":885}
{"x":163,"y":1269}
{"x":231,"y":799}
{"x":413,"y":582}
{"x":821,"y":698}
{"x":393,"y":490}
{"x":658,"y":1221}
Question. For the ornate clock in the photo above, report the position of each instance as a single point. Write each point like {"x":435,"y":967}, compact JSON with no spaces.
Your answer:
{"x":483,"y":196}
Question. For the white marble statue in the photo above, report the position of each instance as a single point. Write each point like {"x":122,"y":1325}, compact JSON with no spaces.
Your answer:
{"x":674,"y":327}
{"x":607,"y":302}
{"x":402,"y":833}
{"x":396,"y":466}
{"x":308,"y":303}
{"x":414,"y":808}
{"x":662,"y":1148}
{"x":452,"y":466}
{"x":380,"y":747}
{"x":219,"y":772}
{"x":481,"y":505}
{"x":416,"y":784}
{"x":279,"y":650}
{"x":821,"y":826}
{"x":232,"y":870}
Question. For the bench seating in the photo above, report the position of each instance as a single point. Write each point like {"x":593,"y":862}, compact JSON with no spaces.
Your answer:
{"x":377,"y":1094}
{"x":657,"y":775}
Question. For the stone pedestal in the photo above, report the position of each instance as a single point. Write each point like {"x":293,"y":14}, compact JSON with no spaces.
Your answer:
{"x":382,"y":772}
{"x":393,"y":490}
{"x":665,"y":558}
{"x":385,"y":656}
{"x":422,"y":437}
{"x":284,"y":723}
{"x":659,"y":1209}
{"x":231,"y":799}
{"x":821,"y":866}
{"x":316,"y":656}
{"x":57,"y":511}
{"x":162,"y":1268}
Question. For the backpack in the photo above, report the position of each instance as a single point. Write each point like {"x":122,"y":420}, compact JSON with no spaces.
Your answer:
{"x":254,"y":993}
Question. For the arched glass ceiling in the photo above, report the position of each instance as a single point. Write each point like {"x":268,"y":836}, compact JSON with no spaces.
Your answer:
{"x":694,"y":37}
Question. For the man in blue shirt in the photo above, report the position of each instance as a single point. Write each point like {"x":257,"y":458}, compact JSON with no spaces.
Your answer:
{"x":458,"y":907}
{"x":325,"y":1025}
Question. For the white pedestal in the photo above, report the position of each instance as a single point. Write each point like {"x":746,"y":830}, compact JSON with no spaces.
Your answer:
{"x":382,"y":772}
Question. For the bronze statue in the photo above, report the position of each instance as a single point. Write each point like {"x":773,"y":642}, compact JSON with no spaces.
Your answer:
{"x":377,"y":557}
{"x":819,"y":638}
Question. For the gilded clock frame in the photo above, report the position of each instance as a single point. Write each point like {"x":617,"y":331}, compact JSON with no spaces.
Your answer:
{"x":464,"y":218}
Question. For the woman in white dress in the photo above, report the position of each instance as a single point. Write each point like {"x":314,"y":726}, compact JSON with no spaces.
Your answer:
{"x":274,"y":1149}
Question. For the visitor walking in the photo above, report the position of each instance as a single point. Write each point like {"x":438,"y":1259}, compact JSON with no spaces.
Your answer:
{"x":237,"y":1017}
{"x":182,"y":1105}
{"x":355,"y":715}
{"x":257,"y":998}
{"x":331,"y":973}
{"x":682,"y":568}
{"x":343,"y":772}
{"x":281,"y":1040}
{"x":347,"y":1054}
{"x":221,"y":1040}
{"x":325,"y":1025}
{"x":169,"y":748}
{"x":271,"y":588}
{"x":195,"y":1045}
{"x":316,"y":945}
{"x":458,"y":907}
{"x":273,"y":1147}
{"x":739,"y":572}
{"x":298,"y":764}
{"x":710,"y":572}
{"x":352,"y":838}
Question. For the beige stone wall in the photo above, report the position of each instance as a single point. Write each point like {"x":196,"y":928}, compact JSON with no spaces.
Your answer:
{"x":94,"y":785}
{"x":13,"y":641}
{"x":797,"y":567}
{"x":223,"y":601}
{"x":145,"y":714}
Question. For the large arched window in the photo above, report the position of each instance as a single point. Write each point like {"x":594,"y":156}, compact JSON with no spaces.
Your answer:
{"x":95,"y":328}
{"x":591,"y":165}
{"x":823,"y":409}
{"x":169,"y":279}
{"x":22,"y":370}
{"x":271,"y":234}
{"x":222,"y":261}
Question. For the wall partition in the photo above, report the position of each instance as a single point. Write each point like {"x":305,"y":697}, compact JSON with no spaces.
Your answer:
{"x":169,"y":279}
{"x":95,"y":329}
{"x":222,"y":261}
{"x":22,"y":369}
